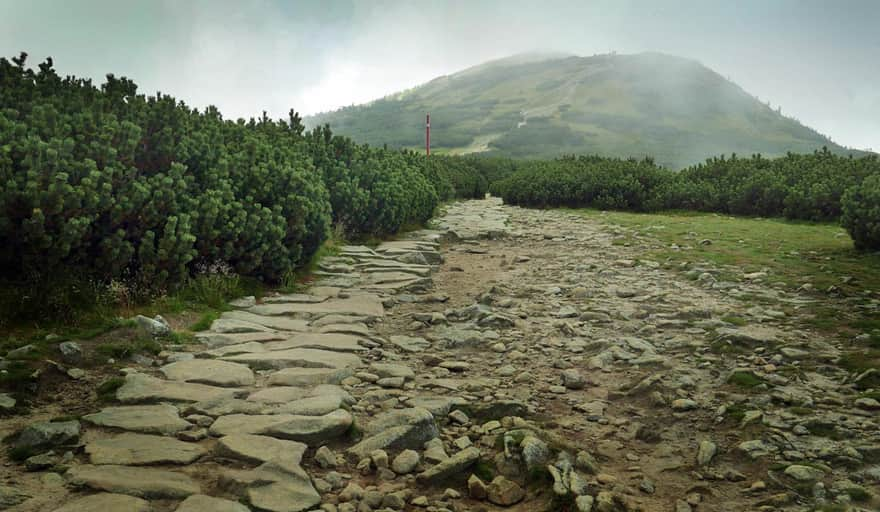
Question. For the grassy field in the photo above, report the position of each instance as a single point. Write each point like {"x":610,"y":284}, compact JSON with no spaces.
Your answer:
{"x":845,"y":283}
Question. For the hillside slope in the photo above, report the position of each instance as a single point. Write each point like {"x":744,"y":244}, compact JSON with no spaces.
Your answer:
{"x":673,"y":109}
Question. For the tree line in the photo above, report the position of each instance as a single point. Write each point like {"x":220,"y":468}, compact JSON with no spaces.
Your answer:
{"x":820,"y":186}
{"x":104,"y":183}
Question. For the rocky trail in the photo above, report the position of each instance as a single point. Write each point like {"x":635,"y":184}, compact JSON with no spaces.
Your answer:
{"x":507,"y":359}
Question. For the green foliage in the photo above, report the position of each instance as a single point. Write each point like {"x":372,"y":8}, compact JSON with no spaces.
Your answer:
{"x":817,"y":187}
{"x":104,"y":188}
{"x":607,"y":183}
{"x":107,"y":390}
{"x":745,"y":379}
{"x":861,"y":213}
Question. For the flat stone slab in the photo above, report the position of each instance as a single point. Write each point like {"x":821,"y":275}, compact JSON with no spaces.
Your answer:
{"x":365,"y":305}
{"x":397,"y":430}
{"x":282,"y":487}
{"x":308,"y":376}
{"x":151,"y":419}
{"x":454,"y":465}
{"x":106,"y":502}
{"x":313,"y":430}
{"x":273,"y":322}
{"x":208,"y":371}
{"x":286,"y":394}
{"x":141,"y":449}
{"x":392,"y":370}
{"x":259,"y":449}
{"x":298,"y":298}
{"x":231,"y":326}
{"x":216,"y":340}
{"x":202,"y":503}
{"x":143,"y":388}
{"x":224,"y":406}
{"x":355,"y":328}
{"x":148,"y":483}
{"x":297,"y":357}
{"x":233,"y":424}
{"x":318,"y":401}
{"x":410,"y":343}
{"x":321,"y":341}
{"x":252,"y":347}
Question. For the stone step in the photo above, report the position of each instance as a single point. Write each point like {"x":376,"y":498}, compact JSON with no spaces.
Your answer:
{"x":150,"y":419}
{"x":297,"y":357}
{"x":140,"y":449}
{"x":139,"y":388}
{"x":208,"y":371}
{"x":147,"y":483}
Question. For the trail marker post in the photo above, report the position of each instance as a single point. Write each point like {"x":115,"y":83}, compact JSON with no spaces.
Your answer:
{"x":428,"y":134}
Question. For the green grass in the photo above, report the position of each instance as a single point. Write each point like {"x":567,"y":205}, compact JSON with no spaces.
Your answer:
{"x":128,"y":348}
{"x":735,"y":320}
{"x":107,"y":390}
{"x":602,"y":104}
{"x":746,"y":380}
{"x":205,"y":321}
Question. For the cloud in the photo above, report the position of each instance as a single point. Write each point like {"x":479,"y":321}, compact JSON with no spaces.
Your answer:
{"x":815,"y":59}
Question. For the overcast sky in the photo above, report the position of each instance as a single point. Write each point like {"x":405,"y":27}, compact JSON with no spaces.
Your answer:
{"x":818,"y":60}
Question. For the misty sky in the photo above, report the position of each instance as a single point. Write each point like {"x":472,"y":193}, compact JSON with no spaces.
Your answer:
{"x":818,"y":60}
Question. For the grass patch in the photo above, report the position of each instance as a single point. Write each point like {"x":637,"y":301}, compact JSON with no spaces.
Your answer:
{"x":735,"y":320}
{"x":205,"y":321}
{"x":860,"y":360}
{"x":792,"y":252}
{"x":107,"y":389}
{"x":128,"y":348}
{"x":746,"y":380}
{"x":22,"y":453}
{"x":484,"y":471}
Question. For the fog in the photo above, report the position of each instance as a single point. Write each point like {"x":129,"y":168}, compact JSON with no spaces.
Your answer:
{"x":817,"y":60}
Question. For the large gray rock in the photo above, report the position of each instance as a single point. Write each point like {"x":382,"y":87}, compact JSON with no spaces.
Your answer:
{"x":45,"y":434}
{"x":224,"y":406}
{"x":454,"y":465}
{"x":397,"y":430}
{"x":410,"y":343}
{"x":6,"y":402}
{"x":207,"y":371}
{"x":308,"y":376}
{"x":139,"y":388}
{"x":148,"y":483}
{"x":282,"y":487}
{"x":232,"y":424}
{"x":202,"y":503}
{"x":317,"y":401}
{"x":297,"y":357}
{"x":259,"y":449}
{"x":154,"y":326}
{"x":139,"y":449}
{"x":150,"y":419}
{"x":71,"y":352}
{"x":106,"y":502}
{"x":272,"y":322}
{"x":335,"y":342}
{"x":361,"y":305}
{"x":216,"y":339}
{"x":385,"y":370}
{"x":313,"y":430}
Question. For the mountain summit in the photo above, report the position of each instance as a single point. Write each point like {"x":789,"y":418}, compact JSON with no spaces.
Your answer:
{"x":543,"y":105}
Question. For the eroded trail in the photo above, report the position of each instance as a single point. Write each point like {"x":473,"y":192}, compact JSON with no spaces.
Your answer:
{"x":510,"y":359}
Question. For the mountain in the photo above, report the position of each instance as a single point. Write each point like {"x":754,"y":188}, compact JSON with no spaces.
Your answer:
{"x":539,"y":106}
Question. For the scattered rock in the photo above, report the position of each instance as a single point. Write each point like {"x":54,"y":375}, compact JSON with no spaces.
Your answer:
{"x":504,"y":492}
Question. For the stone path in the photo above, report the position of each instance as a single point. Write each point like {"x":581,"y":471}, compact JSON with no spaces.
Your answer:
{"x":508,"y":359}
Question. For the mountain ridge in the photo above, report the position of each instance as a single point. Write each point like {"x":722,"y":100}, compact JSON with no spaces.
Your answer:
{"x":671,"y":108}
